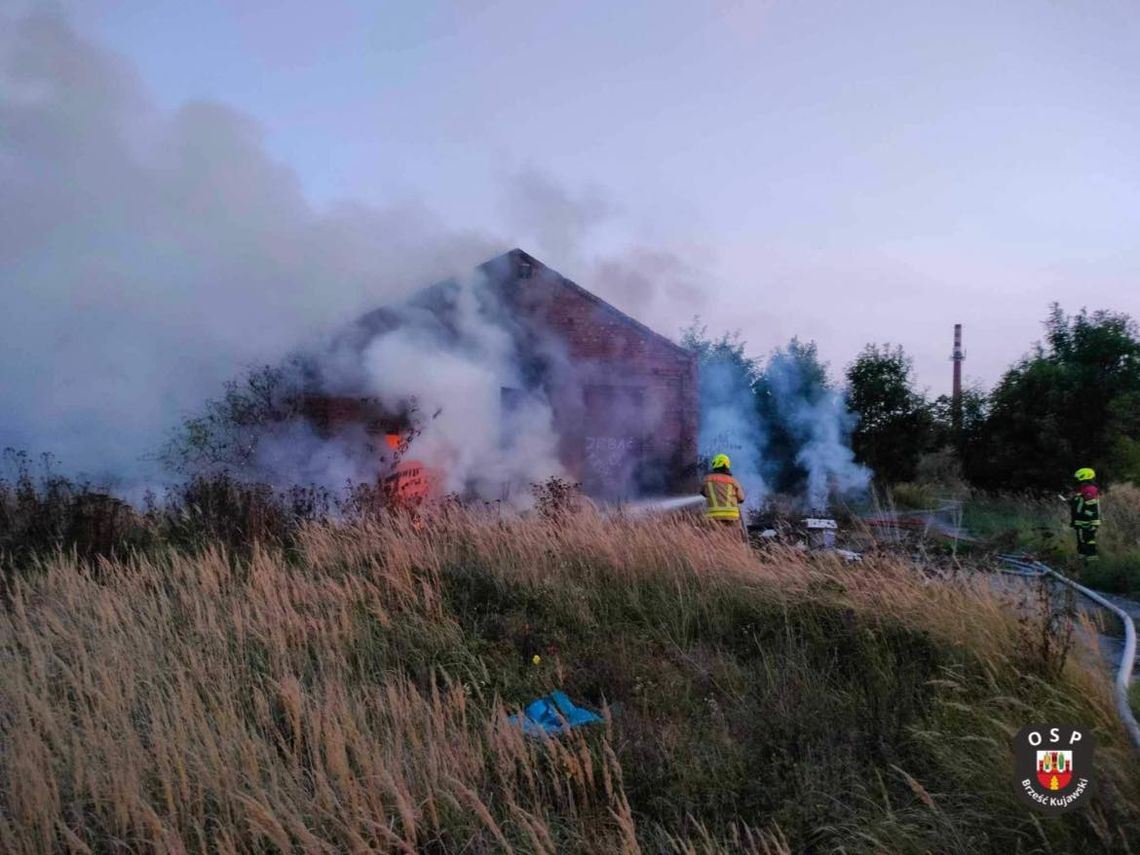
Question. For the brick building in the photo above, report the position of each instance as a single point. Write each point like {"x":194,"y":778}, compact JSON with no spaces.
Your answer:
{"x":623,"y":397}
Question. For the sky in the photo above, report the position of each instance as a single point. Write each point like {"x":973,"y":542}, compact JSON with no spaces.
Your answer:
{"x":844,"y":172}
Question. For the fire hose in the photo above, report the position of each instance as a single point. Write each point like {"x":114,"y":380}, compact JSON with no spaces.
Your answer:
{"x":1127,"y":660}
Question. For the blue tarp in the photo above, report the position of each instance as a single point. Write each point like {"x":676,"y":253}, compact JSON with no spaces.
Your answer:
{"x":552,"y":715}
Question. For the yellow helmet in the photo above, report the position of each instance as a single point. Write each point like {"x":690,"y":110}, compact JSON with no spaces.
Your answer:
{"x":1084,"y":474}
{"x":721,"y":462}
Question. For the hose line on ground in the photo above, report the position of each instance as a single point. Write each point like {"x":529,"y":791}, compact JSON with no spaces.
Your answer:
{"x":1127,"y":660}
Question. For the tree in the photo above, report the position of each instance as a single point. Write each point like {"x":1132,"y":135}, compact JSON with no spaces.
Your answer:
{"x":975,"y":409}
{"x":268,"y":426}
{"x":727,"y":398}
{"x":808,"y":426}
{"x":225,"y":435}
{"x":896,"y":423}
{"x":727,"y":350}
{"x":783,"y":424}
{"x":792,"y":375}
{"x":1124,"y":438}
{"x":1071,"y":402}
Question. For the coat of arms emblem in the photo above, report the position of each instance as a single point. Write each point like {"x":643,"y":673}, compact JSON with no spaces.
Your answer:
{"x":1053,"y":766}
{"x":1054,"y":769}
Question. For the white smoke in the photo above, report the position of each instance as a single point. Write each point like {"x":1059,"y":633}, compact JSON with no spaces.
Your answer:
{"x":551,"y":217}
{"x":292,"y":453}
{"x":818,"y":419}
{"x":147,"y":257}
{"x":653,"y":279}
{"x":798,"y":441}
{"x":457,"y":381}
{"x":731,"y":425}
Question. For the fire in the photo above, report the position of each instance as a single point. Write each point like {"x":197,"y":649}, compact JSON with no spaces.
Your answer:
{"x":411,"y":482}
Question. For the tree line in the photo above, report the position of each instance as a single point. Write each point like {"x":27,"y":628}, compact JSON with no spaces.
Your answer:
{"x":1072,"y":400}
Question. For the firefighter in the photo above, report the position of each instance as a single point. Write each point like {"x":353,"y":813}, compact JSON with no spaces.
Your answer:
{"x":1084,"y":507}
{"x":723,"y":493}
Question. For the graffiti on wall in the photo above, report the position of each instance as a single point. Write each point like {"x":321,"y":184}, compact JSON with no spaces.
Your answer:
{"x":606,"y":454}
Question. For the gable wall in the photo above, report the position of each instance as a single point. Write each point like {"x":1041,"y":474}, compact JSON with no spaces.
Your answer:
{"x":622,"y":391}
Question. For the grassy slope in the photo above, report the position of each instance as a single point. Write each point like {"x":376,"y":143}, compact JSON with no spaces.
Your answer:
{"x":1042,"y":526}
{"x":351,"y":695}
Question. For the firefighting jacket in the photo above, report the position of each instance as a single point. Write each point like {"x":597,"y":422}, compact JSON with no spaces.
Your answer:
{"x":723,"y":494}
{"x":1084,"y":507}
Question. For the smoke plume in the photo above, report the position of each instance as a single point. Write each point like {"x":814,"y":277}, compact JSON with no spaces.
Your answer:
{"x":456,"y":372}
{"x":783,"y":426}
{"x":730,"y":424}
{"x":656,"y":281}
{"x":147,"y":257}
{"x":817,"y":418}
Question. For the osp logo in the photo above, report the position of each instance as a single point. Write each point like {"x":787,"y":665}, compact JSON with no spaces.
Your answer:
{"x":1053,"y":767}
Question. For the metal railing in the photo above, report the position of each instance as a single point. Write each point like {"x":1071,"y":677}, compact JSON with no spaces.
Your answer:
{"x":1127,"y":660}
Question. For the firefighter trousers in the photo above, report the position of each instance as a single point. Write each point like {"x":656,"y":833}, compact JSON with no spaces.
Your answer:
{"x":1086,"y":542}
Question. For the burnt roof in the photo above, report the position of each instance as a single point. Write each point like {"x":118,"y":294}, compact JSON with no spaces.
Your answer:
{"x":506,"y":269}
{"x":517,"y":257}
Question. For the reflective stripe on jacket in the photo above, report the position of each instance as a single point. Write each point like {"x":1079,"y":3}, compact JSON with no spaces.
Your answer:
{"x":724,"y":496}
{"x":1085,"y":507}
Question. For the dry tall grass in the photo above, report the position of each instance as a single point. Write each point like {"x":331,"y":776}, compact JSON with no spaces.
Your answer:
{"x":1122,"y":518}
{"x":351,"y":694}
{"x":1041,"y":525}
